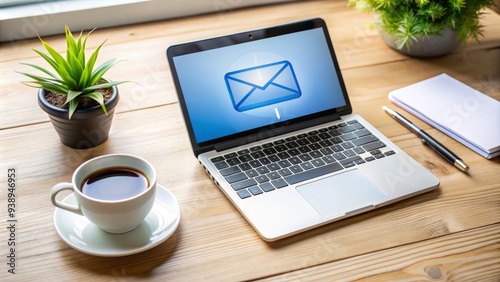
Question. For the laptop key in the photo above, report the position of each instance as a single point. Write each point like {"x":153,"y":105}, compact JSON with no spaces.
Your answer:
{"x":255,"y":149}
{"x":347,"y":145}
{"x":273,"y":166}
{"x":262,"y":170}
{"x":315,"y":146}
{"x":279,"y":183}
{"x":347,"y":129}
{"x":267,"y":145}
{"x":315,"y":154}
{"x":358,"y":150}
{"x":285,"y":172}
{"x":364,"y":140}
{"x":245,"y":166}
{"x":329,"y":159}
{"x":373,"y":146}
{"x":244,"y":194}
{"x":339,"y":156}
{"x":294,"y":160}
{"x":266,"y":187}
{"x":388,"y":153}
{"x":292,"y":145}
{"x":230,"y":156}
{"x":257,"y":154}
{"x":335,"y":132}
{"x":262,"y":178}
{"x":230,"y":170}
{"x":317,"y":162}
{"x":233,"y":161}
{"x":269,"y":151}
{"x":284,"y":163}
{"x":255,"y":190}
{"x":313,"y":173}
{"x":296,"y":169}
{"x":245,"y":158}
{"x":326,"y":151}
{"x":349,"y":165}
{"x":217,"y":159}
{"x":337,"y":148}
{"x":362,"y":132}
{"x":255,"y":163}
{"x":221,"y":165}
{"x":305,"y":157}
{"x":349,"y":153}
{"x":369,"y":159}
{"x":350,"y":160}
{"x":303,"y":142}
{"x":324,"y":136}
{"x":236,"y":177}
{"x":243,"y":152}
{"x":265,"y":161}
{"x":325,"y":143}
{"x":244,"y":184}
{"x":278,"y":142}
{"x":306,"y":166}
{"x":252,"y":173}
{"x":360,"y":161}
{"x":336,"y":140}
{"x":283,"y":155}
{"x":294,"y":152}
{"x":348,"y":136}
{"x":274,"y":175}
{"x":305,"y":149}
{"x":273,"y":158}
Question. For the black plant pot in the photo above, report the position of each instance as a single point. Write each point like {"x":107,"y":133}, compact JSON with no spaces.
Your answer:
{"x":87,"y":128}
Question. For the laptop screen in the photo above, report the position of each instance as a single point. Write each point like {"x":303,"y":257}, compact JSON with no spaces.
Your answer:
{"x":255,"y":83}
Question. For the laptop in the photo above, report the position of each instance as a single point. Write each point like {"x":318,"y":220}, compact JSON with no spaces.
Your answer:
{"x":270,"y":121}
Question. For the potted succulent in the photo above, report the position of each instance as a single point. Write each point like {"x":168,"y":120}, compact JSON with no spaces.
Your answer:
{"x":425,"y":28}
{"x":78,"y":100}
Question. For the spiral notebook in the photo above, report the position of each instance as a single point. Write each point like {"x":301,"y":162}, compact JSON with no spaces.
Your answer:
{"x":456,"y":109}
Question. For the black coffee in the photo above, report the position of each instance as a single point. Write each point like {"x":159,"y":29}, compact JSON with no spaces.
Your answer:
{"x":112,"y":184}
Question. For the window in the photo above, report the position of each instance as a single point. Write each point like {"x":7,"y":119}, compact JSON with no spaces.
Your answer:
{"x":49,"y":17}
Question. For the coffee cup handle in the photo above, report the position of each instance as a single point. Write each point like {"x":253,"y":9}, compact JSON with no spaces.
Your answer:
{"x":58,"y":188}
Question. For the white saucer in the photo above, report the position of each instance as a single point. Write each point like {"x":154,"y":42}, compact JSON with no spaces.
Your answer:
{"x":79,"y":233}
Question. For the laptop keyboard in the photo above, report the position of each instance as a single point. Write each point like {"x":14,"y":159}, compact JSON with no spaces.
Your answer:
{"x":271,"y":166}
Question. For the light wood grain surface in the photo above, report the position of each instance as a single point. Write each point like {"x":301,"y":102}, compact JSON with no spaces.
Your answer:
{"x":450,"y":234}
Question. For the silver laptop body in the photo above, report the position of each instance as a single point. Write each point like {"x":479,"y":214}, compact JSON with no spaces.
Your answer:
{"x":270,"y":120}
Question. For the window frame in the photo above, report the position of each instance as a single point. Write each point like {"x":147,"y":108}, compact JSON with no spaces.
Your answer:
{"x":48,"y":18}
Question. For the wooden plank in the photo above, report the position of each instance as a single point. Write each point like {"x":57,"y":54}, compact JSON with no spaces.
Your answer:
{"x":472,"y":255}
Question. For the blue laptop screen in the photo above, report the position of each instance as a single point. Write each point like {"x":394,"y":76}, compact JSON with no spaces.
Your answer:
{"x":241,"y":87}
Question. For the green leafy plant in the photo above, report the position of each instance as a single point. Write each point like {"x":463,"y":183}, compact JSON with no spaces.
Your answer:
{"x":74,"y":76}
{"x":409,"y":20}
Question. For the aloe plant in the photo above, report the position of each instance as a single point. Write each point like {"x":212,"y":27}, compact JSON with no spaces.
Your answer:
{"x":74,"y":76}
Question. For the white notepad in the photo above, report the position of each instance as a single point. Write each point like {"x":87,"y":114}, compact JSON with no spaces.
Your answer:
{"x":458,"y":110}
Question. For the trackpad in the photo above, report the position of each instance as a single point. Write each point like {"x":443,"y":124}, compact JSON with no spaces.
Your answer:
{"x":341,"y":193}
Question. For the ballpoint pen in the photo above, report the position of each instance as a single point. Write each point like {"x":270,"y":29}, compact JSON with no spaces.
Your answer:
{"x":427,"y":139}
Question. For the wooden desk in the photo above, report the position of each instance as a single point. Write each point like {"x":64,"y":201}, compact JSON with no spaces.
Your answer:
{"x":451,"y":234}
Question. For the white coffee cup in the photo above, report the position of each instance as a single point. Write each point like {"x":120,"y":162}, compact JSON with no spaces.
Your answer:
{"x":116,"y":207}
